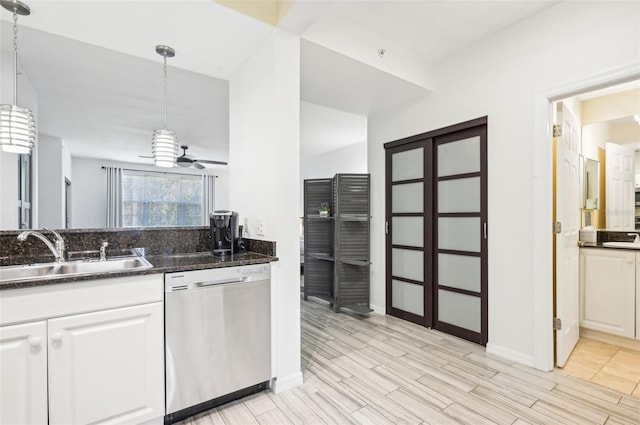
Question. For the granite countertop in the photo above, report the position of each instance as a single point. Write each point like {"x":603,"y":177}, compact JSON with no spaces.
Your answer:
{"x":161,"y":264}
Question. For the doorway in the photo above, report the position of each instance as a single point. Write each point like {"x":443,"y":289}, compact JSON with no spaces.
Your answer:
{"x":598,"y":357}
{"x":436,"y":225}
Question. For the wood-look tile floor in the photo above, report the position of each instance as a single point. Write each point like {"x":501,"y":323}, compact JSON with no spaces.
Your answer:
{"x":382,"y":370}
{"x":608,"y":365}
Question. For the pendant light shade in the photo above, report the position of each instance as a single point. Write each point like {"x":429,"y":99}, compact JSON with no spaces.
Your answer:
{"x":164,"y":146}
{"x":17,"y":129}
{"x":17,"y":126}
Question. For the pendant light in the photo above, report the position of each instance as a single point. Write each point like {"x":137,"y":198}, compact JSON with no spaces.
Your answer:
{"x":165,"y":143}
{"x":17,"y":127}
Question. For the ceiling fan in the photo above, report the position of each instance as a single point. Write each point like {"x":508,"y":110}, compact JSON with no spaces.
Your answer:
{"x":186,"y":161}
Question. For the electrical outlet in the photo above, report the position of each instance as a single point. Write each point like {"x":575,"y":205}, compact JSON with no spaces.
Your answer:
{"x":260,"y":226}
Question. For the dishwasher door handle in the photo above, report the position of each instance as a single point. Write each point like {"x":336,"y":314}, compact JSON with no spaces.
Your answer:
{"x":220,"y":282}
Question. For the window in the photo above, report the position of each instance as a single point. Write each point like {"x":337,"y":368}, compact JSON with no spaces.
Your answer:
{"x":161,"y":199}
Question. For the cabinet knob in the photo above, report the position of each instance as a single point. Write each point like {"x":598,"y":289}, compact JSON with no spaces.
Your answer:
{"x":56,"y":336}
{"x":35,"y":341}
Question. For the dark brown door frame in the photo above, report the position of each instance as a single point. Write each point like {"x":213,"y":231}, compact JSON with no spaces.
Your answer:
{"x":430,"y":141}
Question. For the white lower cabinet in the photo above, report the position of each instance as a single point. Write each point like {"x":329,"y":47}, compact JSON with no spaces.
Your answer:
{"x":65,"y":363}
{"x":608,"y":291}
{"x":23,"y":372}
{"x":107,"y":366}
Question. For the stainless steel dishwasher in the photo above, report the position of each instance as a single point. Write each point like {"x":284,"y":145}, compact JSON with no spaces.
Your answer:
{"x":218,"y":337}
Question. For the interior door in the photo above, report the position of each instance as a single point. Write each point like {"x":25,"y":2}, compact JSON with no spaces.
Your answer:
{"x":620,"y":187}
{"x":436,"y":245}
{"x":409,"y":289}
{"x":567,"y":212}
{"x":460,"y":242}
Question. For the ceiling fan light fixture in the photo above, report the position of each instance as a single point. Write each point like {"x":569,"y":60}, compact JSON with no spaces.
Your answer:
{"x":17,"y":126}
{"x":164,"y":145}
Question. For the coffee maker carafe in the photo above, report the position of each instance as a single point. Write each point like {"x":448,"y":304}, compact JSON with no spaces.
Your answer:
{"x":224,"y":232}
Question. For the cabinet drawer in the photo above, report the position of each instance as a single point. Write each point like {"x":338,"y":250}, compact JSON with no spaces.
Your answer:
{"x":44,"y":302}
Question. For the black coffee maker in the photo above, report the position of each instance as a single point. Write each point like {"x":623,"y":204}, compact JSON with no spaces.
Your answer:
{"x":224,"y":232}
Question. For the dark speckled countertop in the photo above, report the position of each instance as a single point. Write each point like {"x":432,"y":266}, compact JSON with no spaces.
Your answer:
{"x":161,"y":264}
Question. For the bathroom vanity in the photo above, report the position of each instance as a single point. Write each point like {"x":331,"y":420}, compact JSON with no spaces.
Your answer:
{"x":610,"y":291}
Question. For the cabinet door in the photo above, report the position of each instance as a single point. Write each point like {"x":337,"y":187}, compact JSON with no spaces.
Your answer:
{"x":23,"y":368}
{"x":107,"y":366}
{"x":607,"y":292}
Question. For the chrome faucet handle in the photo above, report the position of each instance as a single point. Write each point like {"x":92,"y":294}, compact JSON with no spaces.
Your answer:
{"x":60,"y":247}
{"x":103,"y":250}
{"x":637,"y":237}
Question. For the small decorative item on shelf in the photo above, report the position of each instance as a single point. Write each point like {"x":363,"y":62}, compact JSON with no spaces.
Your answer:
{"x":324,"y":209}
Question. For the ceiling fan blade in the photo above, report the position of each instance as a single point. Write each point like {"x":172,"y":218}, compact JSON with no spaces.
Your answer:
{"x":207,"y":161}
{"x":145,"y":156}
{"x":197,"y":165}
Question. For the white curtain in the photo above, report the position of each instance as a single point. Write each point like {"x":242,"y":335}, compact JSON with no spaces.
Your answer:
{"x":208,"y":197}
{"x":114,"y":197}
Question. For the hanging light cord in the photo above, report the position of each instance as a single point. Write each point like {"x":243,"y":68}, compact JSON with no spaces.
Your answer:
{"x":165,"y":92}
{"x":15,"y":56}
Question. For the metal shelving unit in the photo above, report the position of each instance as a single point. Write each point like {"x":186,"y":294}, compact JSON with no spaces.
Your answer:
{"x":336,"y":248}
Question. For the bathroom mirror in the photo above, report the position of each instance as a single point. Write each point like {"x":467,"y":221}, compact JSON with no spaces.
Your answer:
{"x":591,"y":179}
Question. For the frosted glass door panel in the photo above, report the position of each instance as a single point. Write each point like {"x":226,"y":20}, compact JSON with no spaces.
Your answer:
{"x":407,"y":297}
{"x":459,"y":309}
{"x":460,"y":195}
{"x":407,"y":198}
{"x":459,"y":157}
{"x":407,"y":264}
{"x":459,"y":271}
{"x":459,"y":233}
{"x":407,"y":165}
{"x":408,"y":231}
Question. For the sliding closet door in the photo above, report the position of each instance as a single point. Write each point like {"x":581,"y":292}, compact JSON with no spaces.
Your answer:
{"x":436,"y":244}
{"x":408,"y":290}
{"x":460,"y":266}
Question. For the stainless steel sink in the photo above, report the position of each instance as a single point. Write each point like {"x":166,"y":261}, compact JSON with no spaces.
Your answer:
{"x":72,"y":268}
{"x":631,"y":245}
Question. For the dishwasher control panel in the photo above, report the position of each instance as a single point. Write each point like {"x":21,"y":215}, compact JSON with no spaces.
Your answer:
{"x":193,"y":279}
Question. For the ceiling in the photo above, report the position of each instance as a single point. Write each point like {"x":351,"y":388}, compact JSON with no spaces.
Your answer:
{"x":99,"y":79}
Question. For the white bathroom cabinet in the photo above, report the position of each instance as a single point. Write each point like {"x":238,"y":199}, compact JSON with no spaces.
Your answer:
{"x":97,"y":366}
{"x":608,"y":290}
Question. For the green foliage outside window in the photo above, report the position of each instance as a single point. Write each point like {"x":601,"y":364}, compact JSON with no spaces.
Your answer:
{"x":163,"y":200}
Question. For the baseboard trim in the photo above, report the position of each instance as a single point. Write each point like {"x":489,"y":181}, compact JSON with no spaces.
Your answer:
{"x":377,"y":309}
{"x":509,"y":354}
{"x":281,"y":384}
{"x":620,"y":341}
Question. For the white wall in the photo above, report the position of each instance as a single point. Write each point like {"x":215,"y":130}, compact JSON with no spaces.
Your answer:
{"x":265,"y":138}
{"x":27,"y":98}
{"x":594,"y":137}
{"x":350,"y":159}
{"x":501,"y":77}
{"x":89,"y":193}
{"x":52,"y":171}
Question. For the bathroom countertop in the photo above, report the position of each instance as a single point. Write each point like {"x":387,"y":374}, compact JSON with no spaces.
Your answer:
{"x":161,"y":264}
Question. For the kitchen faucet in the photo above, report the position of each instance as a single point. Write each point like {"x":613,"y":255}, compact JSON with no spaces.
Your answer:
{"x":57,"y":250}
